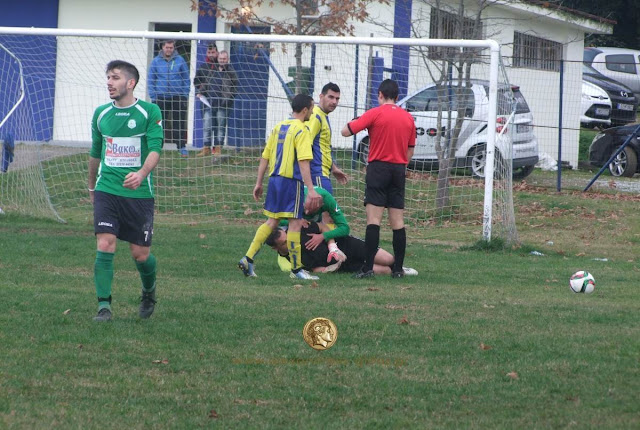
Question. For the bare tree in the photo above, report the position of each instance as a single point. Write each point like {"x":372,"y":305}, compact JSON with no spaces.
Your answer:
{"x":450,"y":69}
{"x":310,"y":18}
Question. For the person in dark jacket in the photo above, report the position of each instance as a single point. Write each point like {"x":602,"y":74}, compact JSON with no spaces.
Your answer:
{"x":217,"y":83}
{"x":168,"y":86}
{"x":201,"y":84}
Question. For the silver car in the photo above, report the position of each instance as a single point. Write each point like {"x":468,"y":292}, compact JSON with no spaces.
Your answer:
{"x":473,"y":100}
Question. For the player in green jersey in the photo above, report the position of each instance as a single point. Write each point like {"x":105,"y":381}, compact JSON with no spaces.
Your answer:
{"x":334,"y":228}
{"x":329,"y":208}
{"x":126,"y":137}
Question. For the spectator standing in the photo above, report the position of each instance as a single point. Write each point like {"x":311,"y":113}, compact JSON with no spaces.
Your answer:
{"x":223,"y":87}
{"x":168,"y":86}
{"x":204,"y":74}
{"x":392,"y":133}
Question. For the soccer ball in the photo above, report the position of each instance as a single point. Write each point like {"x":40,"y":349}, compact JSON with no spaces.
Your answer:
{"x":582,"y":282}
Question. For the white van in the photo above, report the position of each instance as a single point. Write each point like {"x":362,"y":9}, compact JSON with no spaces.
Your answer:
{"x":619,"y":64}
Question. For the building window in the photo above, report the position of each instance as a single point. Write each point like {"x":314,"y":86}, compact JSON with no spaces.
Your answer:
{"x":308,"y":7}
{"x":536,"y":53}
{"x":446,"y":25}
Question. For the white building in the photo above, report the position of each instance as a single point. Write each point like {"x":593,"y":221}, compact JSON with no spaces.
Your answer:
{"x":533,"y":35}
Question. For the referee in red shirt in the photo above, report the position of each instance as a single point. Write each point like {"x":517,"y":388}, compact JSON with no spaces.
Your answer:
{"x":392,"y":138}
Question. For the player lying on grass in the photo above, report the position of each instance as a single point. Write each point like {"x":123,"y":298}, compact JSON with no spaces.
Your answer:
{"x":339,"y":228}
{"x":318,"y":260}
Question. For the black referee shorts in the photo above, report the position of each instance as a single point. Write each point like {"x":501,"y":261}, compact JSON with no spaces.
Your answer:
{"x":385,"y":184}
{"x":128,"y":219}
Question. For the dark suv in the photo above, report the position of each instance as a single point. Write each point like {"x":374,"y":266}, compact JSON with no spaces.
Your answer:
{"x":623,"y":102}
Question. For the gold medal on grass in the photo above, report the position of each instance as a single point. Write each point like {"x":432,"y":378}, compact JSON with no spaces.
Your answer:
{"x":320,"y":333}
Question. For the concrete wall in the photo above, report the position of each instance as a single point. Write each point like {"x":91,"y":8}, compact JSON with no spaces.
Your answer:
{"x":81,"y":82}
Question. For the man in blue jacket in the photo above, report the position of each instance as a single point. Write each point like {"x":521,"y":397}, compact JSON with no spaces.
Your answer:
{"x":168,"y":86}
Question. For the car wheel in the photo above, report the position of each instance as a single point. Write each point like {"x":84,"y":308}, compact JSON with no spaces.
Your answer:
{"x":476,"y":161}
{"x":625,"y":163}
{"x":363,"y":151}
{"x":522,"y":172}
{"x":477,"y":158}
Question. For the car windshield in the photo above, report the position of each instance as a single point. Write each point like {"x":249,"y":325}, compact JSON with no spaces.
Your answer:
{"x":521,"y":103}
{"x":508,"y":99}
{"x":589,"y":69}
{"x":590,"y":54}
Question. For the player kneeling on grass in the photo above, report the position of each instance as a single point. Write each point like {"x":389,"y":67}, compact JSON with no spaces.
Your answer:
{"x":126,"y":139}
{"x":287,"y":156}
{"x":321,"y":260}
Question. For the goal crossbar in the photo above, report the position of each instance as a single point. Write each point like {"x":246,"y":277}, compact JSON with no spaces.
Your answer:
{"x":489,"y":44}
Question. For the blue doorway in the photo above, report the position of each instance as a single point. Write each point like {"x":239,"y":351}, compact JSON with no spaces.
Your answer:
{"x":248,"y":119}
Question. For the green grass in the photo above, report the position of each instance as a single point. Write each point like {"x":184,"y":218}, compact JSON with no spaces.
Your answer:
{"x":586,"y":137}
{"x":409,"y":353}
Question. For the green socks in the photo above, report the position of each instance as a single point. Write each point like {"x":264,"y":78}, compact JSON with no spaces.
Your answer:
{"x":147,"y":271}
{"x":103,"y":275}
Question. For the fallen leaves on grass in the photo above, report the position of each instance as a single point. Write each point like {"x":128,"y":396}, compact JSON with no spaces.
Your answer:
{"x":66,"y":312}
{"x":373,"y":289}
{"x":213,"y":413}
{"x":297,"y":286}
{"x":404,"y":320}
{"x":314,"y":284}
{"x":488,"y":306}
{"x":513,"y":375}
{"x":202,"y":235}
{"x":163,"y":361}
{"x":251,"y":402}
{"x":485,"y":347}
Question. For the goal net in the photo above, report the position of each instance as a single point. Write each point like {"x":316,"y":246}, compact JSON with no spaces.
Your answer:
{"x":466,"y":114}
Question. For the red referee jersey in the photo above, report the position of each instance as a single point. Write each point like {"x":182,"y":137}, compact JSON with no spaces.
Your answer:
{"x":392,"y":130}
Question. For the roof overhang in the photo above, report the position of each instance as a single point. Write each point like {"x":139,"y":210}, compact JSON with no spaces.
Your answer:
{"x":552,"y":12}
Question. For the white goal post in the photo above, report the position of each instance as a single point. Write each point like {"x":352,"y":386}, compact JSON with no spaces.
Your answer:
{"x":82,"y":54}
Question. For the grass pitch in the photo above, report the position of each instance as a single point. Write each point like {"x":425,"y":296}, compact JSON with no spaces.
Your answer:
{"x":480,"y":339}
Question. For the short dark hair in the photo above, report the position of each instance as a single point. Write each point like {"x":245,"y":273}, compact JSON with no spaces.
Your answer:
{"x":330,"y":86}
{"x":212,"y":46}
{"x":164,"y":42}
{"x":300,"y":102}
{"x":129,"y":69}
{"x":389,"y":89}
{"x":271,"y":239}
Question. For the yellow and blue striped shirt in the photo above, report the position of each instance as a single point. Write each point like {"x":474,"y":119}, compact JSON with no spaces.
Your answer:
{"x":320,"y":130}
{"x":288,"y":143}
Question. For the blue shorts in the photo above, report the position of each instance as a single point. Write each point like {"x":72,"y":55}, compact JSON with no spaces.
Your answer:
{"x":285,"y":198}
{"x":323,"y":182}
{"x":128,"y":219}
